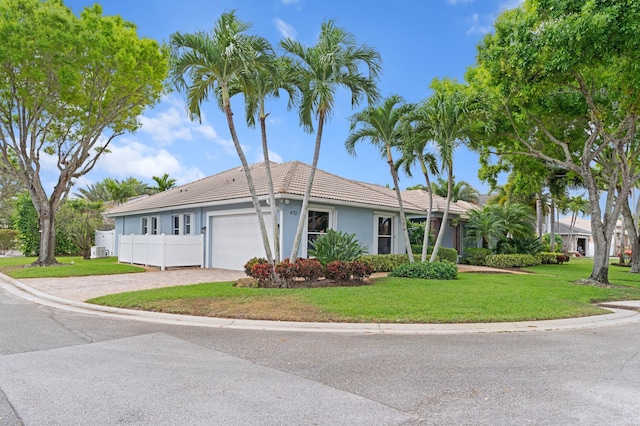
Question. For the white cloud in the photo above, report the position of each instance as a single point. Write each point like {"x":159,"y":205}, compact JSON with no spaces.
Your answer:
{"x":274,"y":157}
{"x":480,"y":24}
{"x":132,"y":158}
{"x":286,"y":30}
{"x":167,"y":126}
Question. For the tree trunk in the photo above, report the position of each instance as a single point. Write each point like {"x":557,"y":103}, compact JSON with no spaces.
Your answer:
{"x":47,"y":254}
{"x":252,"y":188}
{"x":445,"y":217}
{"x":552,"y":225}
{"x":634,"y":237}
{"x":307,"y":193}
{"x":272,"y":197}
{"x":621,"y":241}
{"x":403,"y":219}
{"x":539,"y":214}
{"x":427,"y":226}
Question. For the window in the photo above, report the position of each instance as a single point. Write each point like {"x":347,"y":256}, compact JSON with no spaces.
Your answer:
{"x":154,"y":225}
{"x":175,"y":225}
{"x":317,"y":223}
{"x":145,"y":226}
{"x":385,"y":234}
{"x":187,"y":224}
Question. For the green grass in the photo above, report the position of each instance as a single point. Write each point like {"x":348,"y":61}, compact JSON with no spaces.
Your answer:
{"x":17,"y":267}
{"x":548,"y":293}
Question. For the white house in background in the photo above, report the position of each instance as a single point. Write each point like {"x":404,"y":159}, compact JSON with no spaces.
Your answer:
{"x":582,"y":236}
{"x":214,"y":220}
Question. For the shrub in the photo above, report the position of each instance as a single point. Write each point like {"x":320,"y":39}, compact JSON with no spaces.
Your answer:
{"x":248,"y":267}
{"x":336,"y":245}
{"x":476,"y":256}
{"x":512,"y":260}
{"x":444,"y":253}
{"x":443,"y":270}
{"x":262,"y":272}
{"x":309,"y":269}
{"x":360,"y":270}
{"x":286,"y":271}
{"x":7,"y":239}
{"x":546,"y":246}
{"x":549,"y":258}
{"x":384,"y":262}
{"x":337,"y":270}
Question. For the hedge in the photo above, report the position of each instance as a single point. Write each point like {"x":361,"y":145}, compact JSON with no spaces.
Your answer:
{"x":512,"y":260}
{"x":550,"y":258}
{"x":476,"y":256}
{"x":443,"y":270}
{"x":444,"y":253}
{"x":384,"y":262}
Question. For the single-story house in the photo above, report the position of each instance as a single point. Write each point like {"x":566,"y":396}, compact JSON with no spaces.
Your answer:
{"x":218,"y":226}
{"x":576,"y":240}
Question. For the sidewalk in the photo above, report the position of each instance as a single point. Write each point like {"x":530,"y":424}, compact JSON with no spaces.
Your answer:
{"x":69,"y":293}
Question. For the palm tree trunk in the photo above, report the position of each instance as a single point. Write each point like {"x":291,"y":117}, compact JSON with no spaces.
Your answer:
{"x":552,"y":225}
{"x":252,"y":188}
{"x":272,"y":197}
{"x":445,"y":217}
{"x":634,"y":238}
{"x":539,"y":215}
{"x":403,"y":218}
{"x":427,"y":226}
{"x":307,"y":192}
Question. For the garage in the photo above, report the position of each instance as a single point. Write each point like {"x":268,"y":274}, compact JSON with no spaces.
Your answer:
{"x":235,"y":239}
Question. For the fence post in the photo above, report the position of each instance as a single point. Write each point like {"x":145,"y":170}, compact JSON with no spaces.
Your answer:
{"x":163,"y":261}
{"x":202,"y":250}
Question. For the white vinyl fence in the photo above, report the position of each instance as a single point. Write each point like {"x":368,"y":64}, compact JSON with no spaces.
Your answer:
{"x":162,"y":250}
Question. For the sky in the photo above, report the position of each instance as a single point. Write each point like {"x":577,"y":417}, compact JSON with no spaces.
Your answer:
{"x":417,"y":40}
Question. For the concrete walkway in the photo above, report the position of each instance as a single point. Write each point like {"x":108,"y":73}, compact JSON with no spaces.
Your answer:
{"x":69,"y":293}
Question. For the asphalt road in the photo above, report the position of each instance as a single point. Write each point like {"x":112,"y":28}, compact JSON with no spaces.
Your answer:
{"x":65,"y":368}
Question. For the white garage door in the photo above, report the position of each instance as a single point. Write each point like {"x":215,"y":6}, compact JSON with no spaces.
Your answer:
{"x":236,"y":239}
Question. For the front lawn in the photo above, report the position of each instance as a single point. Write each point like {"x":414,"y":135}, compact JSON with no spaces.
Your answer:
{"x":548,"y":293}
{"x":74,"y":266}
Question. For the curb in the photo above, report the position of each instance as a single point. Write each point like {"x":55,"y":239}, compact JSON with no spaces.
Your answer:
{"x":625,"y":313}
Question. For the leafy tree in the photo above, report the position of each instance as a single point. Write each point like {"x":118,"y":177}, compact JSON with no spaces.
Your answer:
{"x":382,"y":126}
{"x":120,"y":191}
{"x":461,"y":190}
{"x":163,"y":183}
{"x":334,"y":62}
{"x":78,"y":220}
{"x":70,"y":86}
{"x":561,"y":82}
{"x":203,"y":63}
{"x":7,"y":239}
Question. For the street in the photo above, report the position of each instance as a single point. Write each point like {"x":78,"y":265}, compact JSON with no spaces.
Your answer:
{"x":59,"y":367}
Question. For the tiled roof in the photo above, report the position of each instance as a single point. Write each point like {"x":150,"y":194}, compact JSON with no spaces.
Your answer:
{"x":420,"y":197}
{"x":288,"y":179}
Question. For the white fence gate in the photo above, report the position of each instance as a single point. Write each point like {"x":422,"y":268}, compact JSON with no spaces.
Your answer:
{"x":162,"y":250}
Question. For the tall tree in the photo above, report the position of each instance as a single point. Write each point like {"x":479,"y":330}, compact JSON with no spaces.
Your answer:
{"x":163,"y":183}
{"x":576,"y":205}
{"x":70,"y":85}
{"x":203,"y":63}
{"x":334,"y":62}
{"x":414,"y":150}
{"x":79,"y":220}
{"x":121,"y":190}
{"x":448,"y":110}
{"x":265,"y":84}
{"x":562,"y":76}
{"x":94,"y":192}
{"x":383,"y":126}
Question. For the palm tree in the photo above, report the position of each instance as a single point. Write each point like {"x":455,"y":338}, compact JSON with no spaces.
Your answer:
{"x":202,"y":63}
{"x":415,"y":150}
{"x":319,"y":71}
{"x":121,"y":191}
{"x":94,"y":192}
{"x":486,"y":226}
{"x":266,"y":83}
{"x":163,"y":183}
{"x":577,"y":205}
{"x":462,"y":191}
{"x":518,"y":220}
{"x":382,"y":126}
{"x":447,"y":112}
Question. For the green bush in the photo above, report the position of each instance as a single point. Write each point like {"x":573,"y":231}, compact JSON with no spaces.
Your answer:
{"x":443,"y":270}
{"x":336,"y":245}
{"x":384,"y":262}
{"x":444,"y":253}
{"x":7,"y":239}
{"x":512,"y":260}
{"x":476,"y":256}
{"x":546,"y":245}
{"x":549,"y":258}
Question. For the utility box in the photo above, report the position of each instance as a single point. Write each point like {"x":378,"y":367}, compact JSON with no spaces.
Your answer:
{"x":98,"y":252}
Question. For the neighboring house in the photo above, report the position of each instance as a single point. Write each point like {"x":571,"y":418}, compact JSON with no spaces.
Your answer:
{"x":217,"y":213}
{"x":581,"y":240}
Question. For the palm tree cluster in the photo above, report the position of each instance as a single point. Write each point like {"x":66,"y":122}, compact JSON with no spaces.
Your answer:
{"x":503,"y":228}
